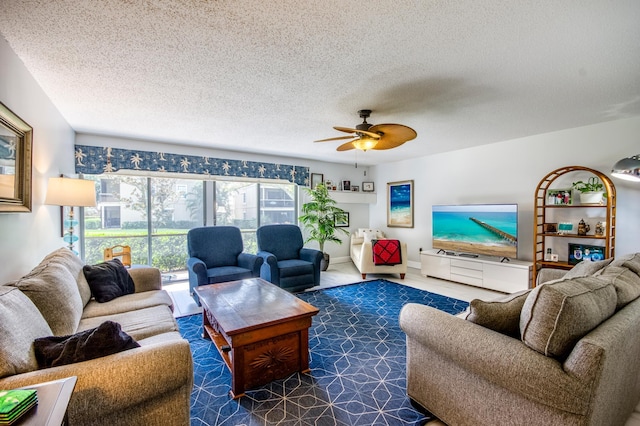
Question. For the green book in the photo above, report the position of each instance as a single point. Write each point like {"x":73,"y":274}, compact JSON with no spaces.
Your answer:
{"x":15,"y":403}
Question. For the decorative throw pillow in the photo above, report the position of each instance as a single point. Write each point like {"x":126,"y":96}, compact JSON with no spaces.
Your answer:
{"x":106,"y":339}
{"x":558,"y":314}
{"x":624,"y":280}
{"x":501,"y":315}
{"x":369,"y":235}
{"x":108,"y":280}
{"x":54,"y":291}
{"x":20,"y":324}
{"x":587,"y":268}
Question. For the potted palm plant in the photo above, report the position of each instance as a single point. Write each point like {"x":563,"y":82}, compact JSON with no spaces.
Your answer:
{"x":591,"y":191}
{"x":319,"y":218}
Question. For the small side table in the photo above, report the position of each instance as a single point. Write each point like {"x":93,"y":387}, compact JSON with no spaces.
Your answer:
{"x":53,"y":399}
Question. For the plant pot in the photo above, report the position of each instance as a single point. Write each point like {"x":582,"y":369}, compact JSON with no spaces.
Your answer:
{"x":591,"y":198}
{"x":324,"y":263}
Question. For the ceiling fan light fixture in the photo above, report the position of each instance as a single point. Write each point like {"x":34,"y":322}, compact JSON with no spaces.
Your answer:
{"x":365,"y":143}
{"x":627,"y":169}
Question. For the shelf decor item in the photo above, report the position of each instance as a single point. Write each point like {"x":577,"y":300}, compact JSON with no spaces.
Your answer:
{"x":591,"y":191}
{"x":559,"y":197}
{"x":367,"y":187}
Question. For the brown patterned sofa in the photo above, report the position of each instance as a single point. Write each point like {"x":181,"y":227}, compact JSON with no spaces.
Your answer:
{"x":565,"y":353}
{"x":147,"y":385}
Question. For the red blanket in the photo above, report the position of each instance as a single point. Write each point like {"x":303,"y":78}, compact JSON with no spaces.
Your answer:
{"x":386,"y":252}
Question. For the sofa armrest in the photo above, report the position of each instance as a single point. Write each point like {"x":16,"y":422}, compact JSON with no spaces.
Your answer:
{"x":146,"y":278}
{"x":118,"y":381}
{"x":492,"y":356}
{"x":549,"y":274}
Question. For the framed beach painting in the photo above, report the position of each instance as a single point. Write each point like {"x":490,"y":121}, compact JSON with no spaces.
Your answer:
{"x":400,"y":204}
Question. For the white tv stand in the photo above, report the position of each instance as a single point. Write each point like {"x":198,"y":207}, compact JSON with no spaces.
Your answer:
{"x":482,"y":271}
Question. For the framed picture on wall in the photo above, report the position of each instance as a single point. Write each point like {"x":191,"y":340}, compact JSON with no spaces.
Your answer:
{"x":400,"y":204}
{"x":316,"y":178}
{"x":342,"y":220}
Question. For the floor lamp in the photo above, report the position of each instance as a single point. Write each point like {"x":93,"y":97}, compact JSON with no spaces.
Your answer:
{"x":67,"y":192}
{"x":627,"y":168}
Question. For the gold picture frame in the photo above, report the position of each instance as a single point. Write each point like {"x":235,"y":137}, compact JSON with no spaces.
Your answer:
{"x":16,"y":140}
{"x":400,"y":204}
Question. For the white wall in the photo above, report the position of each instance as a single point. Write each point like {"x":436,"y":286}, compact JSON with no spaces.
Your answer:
{"x":25,"y":238}
{"x":508,"y":172}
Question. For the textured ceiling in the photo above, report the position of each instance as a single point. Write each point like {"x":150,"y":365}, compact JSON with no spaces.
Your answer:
{"x":272,"y":76}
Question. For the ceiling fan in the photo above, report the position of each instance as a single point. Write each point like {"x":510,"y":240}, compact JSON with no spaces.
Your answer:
{"x":373,"y":136}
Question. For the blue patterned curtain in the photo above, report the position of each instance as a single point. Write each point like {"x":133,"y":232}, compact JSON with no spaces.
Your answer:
{"x":94,"y":160}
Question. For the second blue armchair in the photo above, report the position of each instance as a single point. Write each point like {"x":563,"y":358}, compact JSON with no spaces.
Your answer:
{"x":287,"y":263}
{"x":216,"y":255}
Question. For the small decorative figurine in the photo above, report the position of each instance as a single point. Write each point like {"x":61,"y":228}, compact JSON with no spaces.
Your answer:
{"x":600,"y":229}
{"x":583,"y":227}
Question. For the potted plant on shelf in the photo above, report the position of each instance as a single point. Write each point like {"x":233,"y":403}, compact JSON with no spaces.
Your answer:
{"x":319,"y":218}
{"x":591,"y":191}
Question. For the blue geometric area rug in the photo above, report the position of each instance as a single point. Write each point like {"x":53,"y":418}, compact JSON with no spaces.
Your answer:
{"x":357,"y":360}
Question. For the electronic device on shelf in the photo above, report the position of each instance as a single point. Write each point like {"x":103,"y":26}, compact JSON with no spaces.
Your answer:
{"x":476,"y":229}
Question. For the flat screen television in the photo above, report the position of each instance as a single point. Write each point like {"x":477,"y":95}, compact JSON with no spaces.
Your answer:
{"x":482,"y":229}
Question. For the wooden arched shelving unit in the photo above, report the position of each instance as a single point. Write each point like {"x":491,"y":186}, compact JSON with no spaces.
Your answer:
{"x":544,"y":211}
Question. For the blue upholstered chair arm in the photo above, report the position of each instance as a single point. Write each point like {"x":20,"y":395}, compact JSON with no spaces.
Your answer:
{"x":314,"y":256}
{"x":251,"y":262}
{"x":311,"y":255}
{"x":199,"y":269}
{"x":269,"y":269}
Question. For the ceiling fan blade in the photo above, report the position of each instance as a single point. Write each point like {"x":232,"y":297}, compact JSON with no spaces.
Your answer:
{"x":345,"y":146}
{"x":393,"y":135}
{"x":336,"y":139}
{"x":382,"y":144}
{"x":369,"y":132}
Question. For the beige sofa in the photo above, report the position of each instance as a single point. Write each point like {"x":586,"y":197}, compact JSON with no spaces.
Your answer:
{"x":565,"y":353}
{"x":148,"y":385}
{"x":362,"y":254}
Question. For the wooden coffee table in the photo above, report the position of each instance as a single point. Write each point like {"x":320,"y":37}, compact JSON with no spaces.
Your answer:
{"x":260,"y":330}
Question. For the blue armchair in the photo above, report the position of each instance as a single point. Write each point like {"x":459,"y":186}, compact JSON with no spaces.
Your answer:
{"x":216,"y":255}
{"x":287,"y":263}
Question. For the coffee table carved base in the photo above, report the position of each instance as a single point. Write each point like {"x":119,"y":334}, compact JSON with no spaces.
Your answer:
{"x":258,"y":352}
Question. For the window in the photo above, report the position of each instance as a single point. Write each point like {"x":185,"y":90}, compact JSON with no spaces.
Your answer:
{"x":153,"y":215}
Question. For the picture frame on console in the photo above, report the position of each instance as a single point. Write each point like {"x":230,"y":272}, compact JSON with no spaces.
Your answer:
{"x":367,"y":187}
{"x":16,"y":141}
{"x":400,"y":204}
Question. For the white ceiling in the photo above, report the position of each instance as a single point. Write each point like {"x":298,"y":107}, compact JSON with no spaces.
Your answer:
{"x":273,"y":76}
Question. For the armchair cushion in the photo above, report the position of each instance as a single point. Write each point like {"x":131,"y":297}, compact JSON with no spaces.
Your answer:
{"x":501,"y":315}
{"x":558,"y":314}
{"x":106,"y":339}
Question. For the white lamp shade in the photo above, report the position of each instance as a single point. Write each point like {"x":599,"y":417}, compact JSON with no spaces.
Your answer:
{"x":71,"y":192}
{"x":627,"y":169}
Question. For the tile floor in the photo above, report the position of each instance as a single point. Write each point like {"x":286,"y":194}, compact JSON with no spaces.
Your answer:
{"x":346,"y":273}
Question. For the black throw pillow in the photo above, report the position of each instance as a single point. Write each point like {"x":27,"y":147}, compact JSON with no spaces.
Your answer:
{"x":106,"y":339}
{"x":108,"y":280}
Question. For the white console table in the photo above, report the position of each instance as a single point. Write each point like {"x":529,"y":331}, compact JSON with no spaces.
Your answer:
{"x":482,"y":271}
